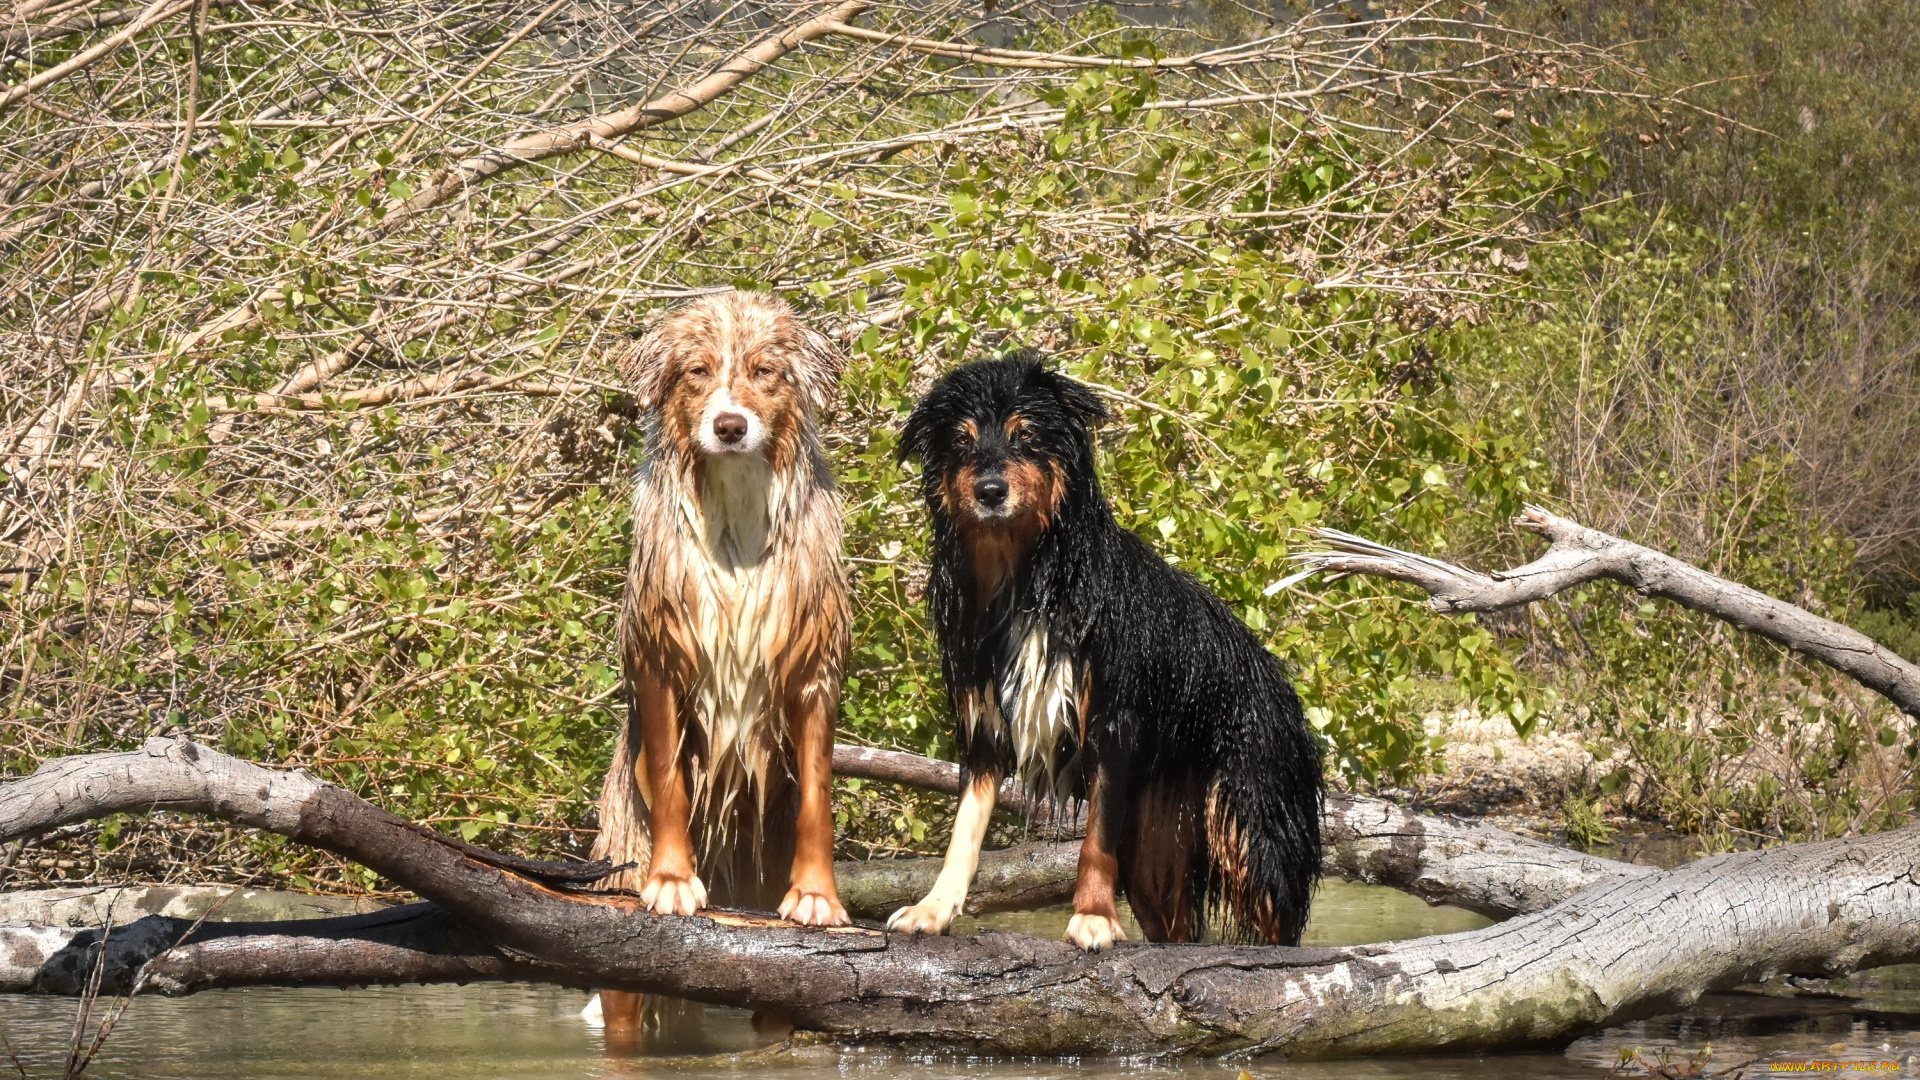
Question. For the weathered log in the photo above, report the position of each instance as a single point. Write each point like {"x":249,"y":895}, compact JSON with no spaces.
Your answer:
{"x":83,"y":907}
{"x":1579,"y":555}
{"x":1627,"y":947}
{"x":51,"y":947}
{"x":899,"y":767}
{"x":413,"y":943}
{"x":1445,"y":860}
{"x":1017,"y":878}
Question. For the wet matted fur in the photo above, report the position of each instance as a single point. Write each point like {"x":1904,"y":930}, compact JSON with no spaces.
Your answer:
{"x":733,"y":631}
{"x":1076,"y":656}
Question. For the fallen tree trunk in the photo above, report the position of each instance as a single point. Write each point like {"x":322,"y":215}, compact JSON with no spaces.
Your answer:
{"x":412,"y":943}
{"x":47,"y":943}
{"x":1627,"y":947}
{"x":1579,"y":555}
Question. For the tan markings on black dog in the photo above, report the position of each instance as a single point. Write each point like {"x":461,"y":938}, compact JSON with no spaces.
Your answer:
{"x":1165,"y":836}
{"x":1227,"y":843}
{"x":999,"y":541}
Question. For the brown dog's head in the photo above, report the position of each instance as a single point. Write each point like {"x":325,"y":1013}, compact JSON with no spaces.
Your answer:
{"x":733,"y":374}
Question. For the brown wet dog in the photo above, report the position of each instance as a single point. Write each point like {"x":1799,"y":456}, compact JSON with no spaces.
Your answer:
{"x":733,"y":632}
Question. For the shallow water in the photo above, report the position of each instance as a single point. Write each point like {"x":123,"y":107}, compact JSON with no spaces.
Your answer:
{"x":535,"y":1033}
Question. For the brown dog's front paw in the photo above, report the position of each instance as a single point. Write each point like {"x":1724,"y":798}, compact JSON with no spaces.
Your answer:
{"x":669,"y":892}
{"x":813,"y":907}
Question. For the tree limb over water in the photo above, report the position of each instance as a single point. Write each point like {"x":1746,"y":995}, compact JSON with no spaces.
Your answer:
{"x":1584,"y":962}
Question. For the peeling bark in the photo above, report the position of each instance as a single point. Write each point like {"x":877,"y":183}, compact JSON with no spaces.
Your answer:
{"x":1627,"y":947}
{"x":1579,"y":555}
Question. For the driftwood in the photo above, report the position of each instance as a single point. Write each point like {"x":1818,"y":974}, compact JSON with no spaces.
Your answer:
{"x":1629,"y":946}
{"x":1579,"y":555}
{"x":48,"y":942}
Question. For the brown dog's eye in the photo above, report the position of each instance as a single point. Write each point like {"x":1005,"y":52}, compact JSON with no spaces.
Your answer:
{"x":699,"y":370}
{"x":764,"y":372}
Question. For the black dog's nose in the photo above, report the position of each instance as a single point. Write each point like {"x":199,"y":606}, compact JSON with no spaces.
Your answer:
{"x":730,"y":427}
{"x":990,"y":492}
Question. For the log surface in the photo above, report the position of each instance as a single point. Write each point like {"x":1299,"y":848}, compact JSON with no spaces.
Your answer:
{"x":1626,"y":947}
{"x":1441,"y":859}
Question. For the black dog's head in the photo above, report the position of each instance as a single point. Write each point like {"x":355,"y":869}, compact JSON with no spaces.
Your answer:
{"x":1002,"y":444}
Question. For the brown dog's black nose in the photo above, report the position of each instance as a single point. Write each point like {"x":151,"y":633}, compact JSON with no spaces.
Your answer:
{"x":990,"y":492}
{"x":730,"y":427}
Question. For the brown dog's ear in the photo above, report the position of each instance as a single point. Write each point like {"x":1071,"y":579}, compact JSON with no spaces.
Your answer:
{"x":820,"y":367}
{"x":643,"y":367}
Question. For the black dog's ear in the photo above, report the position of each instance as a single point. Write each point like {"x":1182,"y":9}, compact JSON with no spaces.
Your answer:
{"x":1077,"y":398}
{"x":916,"y":437}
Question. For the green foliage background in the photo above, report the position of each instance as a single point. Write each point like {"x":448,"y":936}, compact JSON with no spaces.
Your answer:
{"x":1725,"y":363}
{"x":1314,"y":320}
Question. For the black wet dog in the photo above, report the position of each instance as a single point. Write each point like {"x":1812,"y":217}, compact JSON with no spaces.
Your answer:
{"x":1075,"y":655}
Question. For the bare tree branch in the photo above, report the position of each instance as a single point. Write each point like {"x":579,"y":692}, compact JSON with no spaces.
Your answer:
{"x":1579,"y":555}
{"x":574,"y":137}
{"x":85,"y":58}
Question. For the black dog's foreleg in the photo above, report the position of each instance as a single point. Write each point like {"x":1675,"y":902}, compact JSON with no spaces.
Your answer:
{"x":935,"y":914}
{"x":1096,"y":914}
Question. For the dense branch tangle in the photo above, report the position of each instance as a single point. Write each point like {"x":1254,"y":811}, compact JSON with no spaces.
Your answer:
{"x":325,"y":394}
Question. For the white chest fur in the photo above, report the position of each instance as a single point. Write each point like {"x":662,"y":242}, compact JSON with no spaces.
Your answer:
{"x":734,"y":606}
{"x":1034,"y":700}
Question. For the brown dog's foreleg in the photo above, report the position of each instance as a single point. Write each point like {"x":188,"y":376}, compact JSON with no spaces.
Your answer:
{"x":813,"y":900}
{"x":1096,"y":920}
{"x":671,"y":887}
